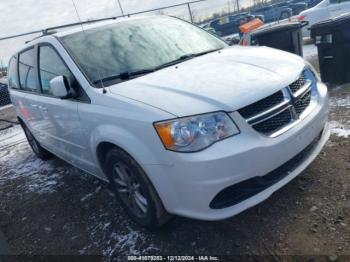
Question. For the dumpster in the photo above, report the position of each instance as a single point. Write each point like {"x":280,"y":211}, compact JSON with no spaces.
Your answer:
{"x":332,"y":38}
{"x":287,"y":37}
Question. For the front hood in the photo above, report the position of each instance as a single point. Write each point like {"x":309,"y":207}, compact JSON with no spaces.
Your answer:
{"x":226,"y":80}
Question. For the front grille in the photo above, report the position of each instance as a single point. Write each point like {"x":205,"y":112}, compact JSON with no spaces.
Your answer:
{"x":302,"y":103}
{"x":295,"y":86}
{"x":273,"y":113}
{"x":262,"y":105}
{"x":237,"y":193}
{"x":274,"y":123}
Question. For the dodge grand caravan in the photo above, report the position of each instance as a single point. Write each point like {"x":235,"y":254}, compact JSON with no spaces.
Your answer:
{"x":174,"y":119}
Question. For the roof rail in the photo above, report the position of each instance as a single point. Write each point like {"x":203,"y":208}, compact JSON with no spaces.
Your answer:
{"x":53,"y":32}
{"x":47,"y":30}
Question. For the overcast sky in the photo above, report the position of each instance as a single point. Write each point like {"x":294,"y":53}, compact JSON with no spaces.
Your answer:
{"x":18,"y":16}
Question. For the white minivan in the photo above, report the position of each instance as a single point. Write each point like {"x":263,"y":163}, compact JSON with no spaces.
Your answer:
{"x":172,"y":117}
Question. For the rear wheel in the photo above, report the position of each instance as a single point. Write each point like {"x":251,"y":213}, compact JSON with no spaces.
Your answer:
{"x":134,"y":191}
{"x":39,"y":151}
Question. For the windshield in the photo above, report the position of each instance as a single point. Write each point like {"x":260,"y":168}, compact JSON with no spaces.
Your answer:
{"x":136,"y":45}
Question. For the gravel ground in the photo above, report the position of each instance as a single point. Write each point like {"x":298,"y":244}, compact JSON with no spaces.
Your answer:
{"x":50,"y":208}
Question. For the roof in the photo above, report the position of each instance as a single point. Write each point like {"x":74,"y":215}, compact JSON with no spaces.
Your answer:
{"x":93,"y":25}
{"x":78,"y":28}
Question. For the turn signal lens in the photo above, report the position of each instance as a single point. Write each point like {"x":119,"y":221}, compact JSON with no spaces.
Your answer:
{"x":164,"y":131}
{"x":195,"y":133}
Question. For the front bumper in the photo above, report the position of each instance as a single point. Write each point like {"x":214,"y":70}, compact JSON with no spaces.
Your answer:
{"x":188,"y":187}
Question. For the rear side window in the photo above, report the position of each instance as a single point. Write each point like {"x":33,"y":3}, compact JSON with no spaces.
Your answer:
{"x":12,"y":75}
{"x":27,"y":77}
{"x":50,"y":66}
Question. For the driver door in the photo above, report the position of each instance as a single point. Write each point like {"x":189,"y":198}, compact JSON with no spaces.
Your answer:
{"x":60,"y":125}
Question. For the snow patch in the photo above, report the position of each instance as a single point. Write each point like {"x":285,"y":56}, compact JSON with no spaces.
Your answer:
{"x":11,"y":136}
{"x":35,"y":175}
{"x":309,"y":51}
{"x":339,"y":129}
{"x":83,"y":199}
{"x":340,"y":102}
{"x":128,"y":243}
{"x":5,"y":107}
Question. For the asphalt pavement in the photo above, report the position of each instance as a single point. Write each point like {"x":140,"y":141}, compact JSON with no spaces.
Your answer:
{"x":4,"y":249}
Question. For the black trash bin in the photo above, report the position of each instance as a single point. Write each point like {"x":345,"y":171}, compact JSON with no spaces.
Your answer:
{"x":287,"y":37}
{"x":332,"y":38}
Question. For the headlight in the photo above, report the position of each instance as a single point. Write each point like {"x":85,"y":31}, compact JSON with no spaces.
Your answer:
{"x":195,"y":133}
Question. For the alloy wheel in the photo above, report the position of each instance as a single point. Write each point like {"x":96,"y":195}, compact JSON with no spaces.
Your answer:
{"x":130,"y":190}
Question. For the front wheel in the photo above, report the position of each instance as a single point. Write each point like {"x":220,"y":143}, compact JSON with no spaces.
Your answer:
{"x":134,"y":190}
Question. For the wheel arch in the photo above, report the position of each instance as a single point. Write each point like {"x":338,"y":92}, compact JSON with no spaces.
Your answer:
{"x":102,"y":150}
{"x":142,"y":150}
{"x":20,"y":121}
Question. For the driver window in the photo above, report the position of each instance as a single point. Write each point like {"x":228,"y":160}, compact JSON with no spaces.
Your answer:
{"x":50,"y":66}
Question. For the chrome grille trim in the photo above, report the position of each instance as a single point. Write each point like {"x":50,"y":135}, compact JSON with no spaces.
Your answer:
{"x":262,"y":105}
{"x":305,"y":88}
{"x":299,"y":101}
{"x":263,"y":116}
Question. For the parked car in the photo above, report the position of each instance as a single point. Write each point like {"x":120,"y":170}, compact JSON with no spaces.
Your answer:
{"x":172,"y":117}
{"x":205,"y":26}
{"x":325,"y":10}
{"x":229,"y":25}
{"x":297,"y":7}
{"x":274,"y":12}
{"x":4,"y":93}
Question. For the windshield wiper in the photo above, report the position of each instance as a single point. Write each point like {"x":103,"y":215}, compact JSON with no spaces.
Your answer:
{"x":127,"y":75}
{"x":124,"y":76}
{"x":185,"y":58}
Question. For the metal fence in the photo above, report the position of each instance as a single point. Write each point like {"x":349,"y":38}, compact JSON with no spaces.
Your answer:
{"x":4,"y":95}
{"x":189,"y":11}
{"x":195,"y":11}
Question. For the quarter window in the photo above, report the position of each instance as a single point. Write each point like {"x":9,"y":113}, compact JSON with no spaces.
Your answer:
{"x":13,"y":76}
{"x":50,"y":66}
{"x":26,"y":67}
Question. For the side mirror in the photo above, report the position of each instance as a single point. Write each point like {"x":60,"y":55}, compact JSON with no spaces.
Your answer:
{"x":60,"y":88}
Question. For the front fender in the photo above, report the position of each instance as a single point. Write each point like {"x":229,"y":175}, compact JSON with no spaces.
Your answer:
{"x":144,"y":154}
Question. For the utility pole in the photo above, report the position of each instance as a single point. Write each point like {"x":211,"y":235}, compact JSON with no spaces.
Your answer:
{"x":190,"y":12}
{"x":121,"y":8}
{"x":237,"y":2}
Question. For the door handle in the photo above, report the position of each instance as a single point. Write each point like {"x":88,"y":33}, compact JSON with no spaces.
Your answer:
{"x":34,"y":105}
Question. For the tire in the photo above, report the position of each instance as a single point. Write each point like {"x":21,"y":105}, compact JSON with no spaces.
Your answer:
{"x":134,"y":191}
{"x":38,"y":150}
